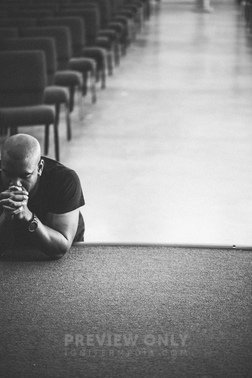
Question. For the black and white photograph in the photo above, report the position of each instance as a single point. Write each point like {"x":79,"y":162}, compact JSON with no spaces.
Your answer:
{"x":126,"y":188}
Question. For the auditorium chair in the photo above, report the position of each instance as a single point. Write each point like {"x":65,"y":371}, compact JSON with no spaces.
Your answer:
{"x":77,"y":63}
{"x":115,"y":30}
{"x":3,"y":14}
{"x":53,"y":95}
{"x":128,"y":17}
{"x":107,"y":21}
{"x":33,"y":13}
{"x":5,"y":8}
{"x":39,"y":6}
{"x":8,"y":32}
{"x":112,"y":22}
{"x":84,"y":66}
{"x":81,"y":49}
{"x":248,"y":14}
{"x":91,"y":54}
{"x":104,"y":37}
{"x":92,"y":25}
{"x":13,"y":22}
{"x":64,"y":76}
{"x":22,"y":84}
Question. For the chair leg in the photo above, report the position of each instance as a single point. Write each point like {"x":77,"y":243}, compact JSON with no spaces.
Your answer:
{"x":93,"y":90}
{"x":68,"y":123}
{"x":117,"y":53}
{"x":85,"y":79}
{"x":13,"y":130}
{"x":124,"y":48}
{"x":103,"y":78}
{"x":3,"y":130}
{"x":57,"y":112}
{"x":46,"y":147}
{"x":56,"y":140}
{"x":81,"y":112}
{"x":93,"y":85}
{"x":71,"y":106}
{"x":71,"y":91}
{"x":110,"y":63}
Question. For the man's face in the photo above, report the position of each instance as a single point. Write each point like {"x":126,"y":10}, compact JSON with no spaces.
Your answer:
{"x":17,"y":172}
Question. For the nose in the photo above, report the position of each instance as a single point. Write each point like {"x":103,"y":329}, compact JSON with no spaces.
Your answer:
{"x":16,"y":182}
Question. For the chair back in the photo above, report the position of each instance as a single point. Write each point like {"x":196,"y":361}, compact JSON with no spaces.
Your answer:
{"x":105,"y":12}
{"x":3,"y":13}
{"x":8,"y":32}
{"x":52,"y":6}
{"x":23,"y":78}
{"x":77,"y":28}
{"x":34,"y":13}
{"x":62,"y":38}
{"x":45,"y":44}
{"x":104,"y":7}
{"x":18,"y":22}
{"x":91,"y":19}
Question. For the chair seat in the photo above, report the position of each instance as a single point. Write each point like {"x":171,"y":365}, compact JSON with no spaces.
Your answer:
{"x":100,"y":56}
{"x":82,"y":64}
{"x":56,"y":95}
{"x":108,"y":33}
{"x":118,"y":27}
{"x":104,"y":42}
{"x":97,"y":53}
{"x":26,"y":116}
{"x":68,"y":78}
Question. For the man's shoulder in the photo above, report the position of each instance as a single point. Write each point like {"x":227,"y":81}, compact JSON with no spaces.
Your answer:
{"x":61,"y":187}
{"x":53,"y":166}
{"x":57,"y":172}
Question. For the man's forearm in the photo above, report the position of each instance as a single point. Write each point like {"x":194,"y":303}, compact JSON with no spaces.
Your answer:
{"x":51,"y":242}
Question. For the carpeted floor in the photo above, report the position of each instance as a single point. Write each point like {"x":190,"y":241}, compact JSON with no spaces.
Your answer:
{"x":127,"y":311}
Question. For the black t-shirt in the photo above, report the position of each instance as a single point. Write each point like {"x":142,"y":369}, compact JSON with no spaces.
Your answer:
{"x":59,"y":192}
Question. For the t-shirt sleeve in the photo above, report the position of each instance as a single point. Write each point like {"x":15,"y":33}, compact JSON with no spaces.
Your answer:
{"x":68,"y":195}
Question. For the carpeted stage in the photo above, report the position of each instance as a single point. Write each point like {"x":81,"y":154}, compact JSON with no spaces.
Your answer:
{"x":123,"y":311}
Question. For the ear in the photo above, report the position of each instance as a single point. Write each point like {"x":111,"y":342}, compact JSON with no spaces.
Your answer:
{"x":40,"y":167}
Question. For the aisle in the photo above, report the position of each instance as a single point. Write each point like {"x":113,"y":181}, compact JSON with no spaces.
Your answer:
{"x":165,"y":156}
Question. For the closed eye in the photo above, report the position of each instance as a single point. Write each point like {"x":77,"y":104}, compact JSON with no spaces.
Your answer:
{"x":26,"y":176}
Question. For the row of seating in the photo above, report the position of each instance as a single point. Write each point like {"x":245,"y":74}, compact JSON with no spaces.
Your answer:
{"x":52,"y":51}
{"x":247,"y":5}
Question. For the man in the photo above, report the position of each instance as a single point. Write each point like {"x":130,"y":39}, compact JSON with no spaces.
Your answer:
{"x":204,"y":6}
{"x":39,"y":199}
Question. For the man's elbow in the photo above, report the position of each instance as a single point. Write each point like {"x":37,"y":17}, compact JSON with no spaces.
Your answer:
{"x":57,"y":252}
{"x":55,"y":255}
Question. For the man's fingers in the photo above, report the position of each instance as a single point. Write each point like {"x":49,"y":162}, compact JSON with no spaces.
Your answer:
{"x":19,"y":197}
{"x":15,"y":188}
{"x":8,"y":208}
{"x":4,"y":195}
{"x":9,"y":203}
{"x":13,"y":211}
{"x":19,"y":210}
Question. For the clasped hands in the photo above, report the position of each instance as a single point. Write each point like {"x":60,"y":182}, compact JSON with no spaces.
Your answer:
{"x":14,"y":202}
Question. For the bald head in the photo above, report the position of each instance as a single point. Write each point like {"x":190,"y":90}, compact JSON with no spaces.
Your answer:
{"x":22,"y":147}
{"x":21,"y":163}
